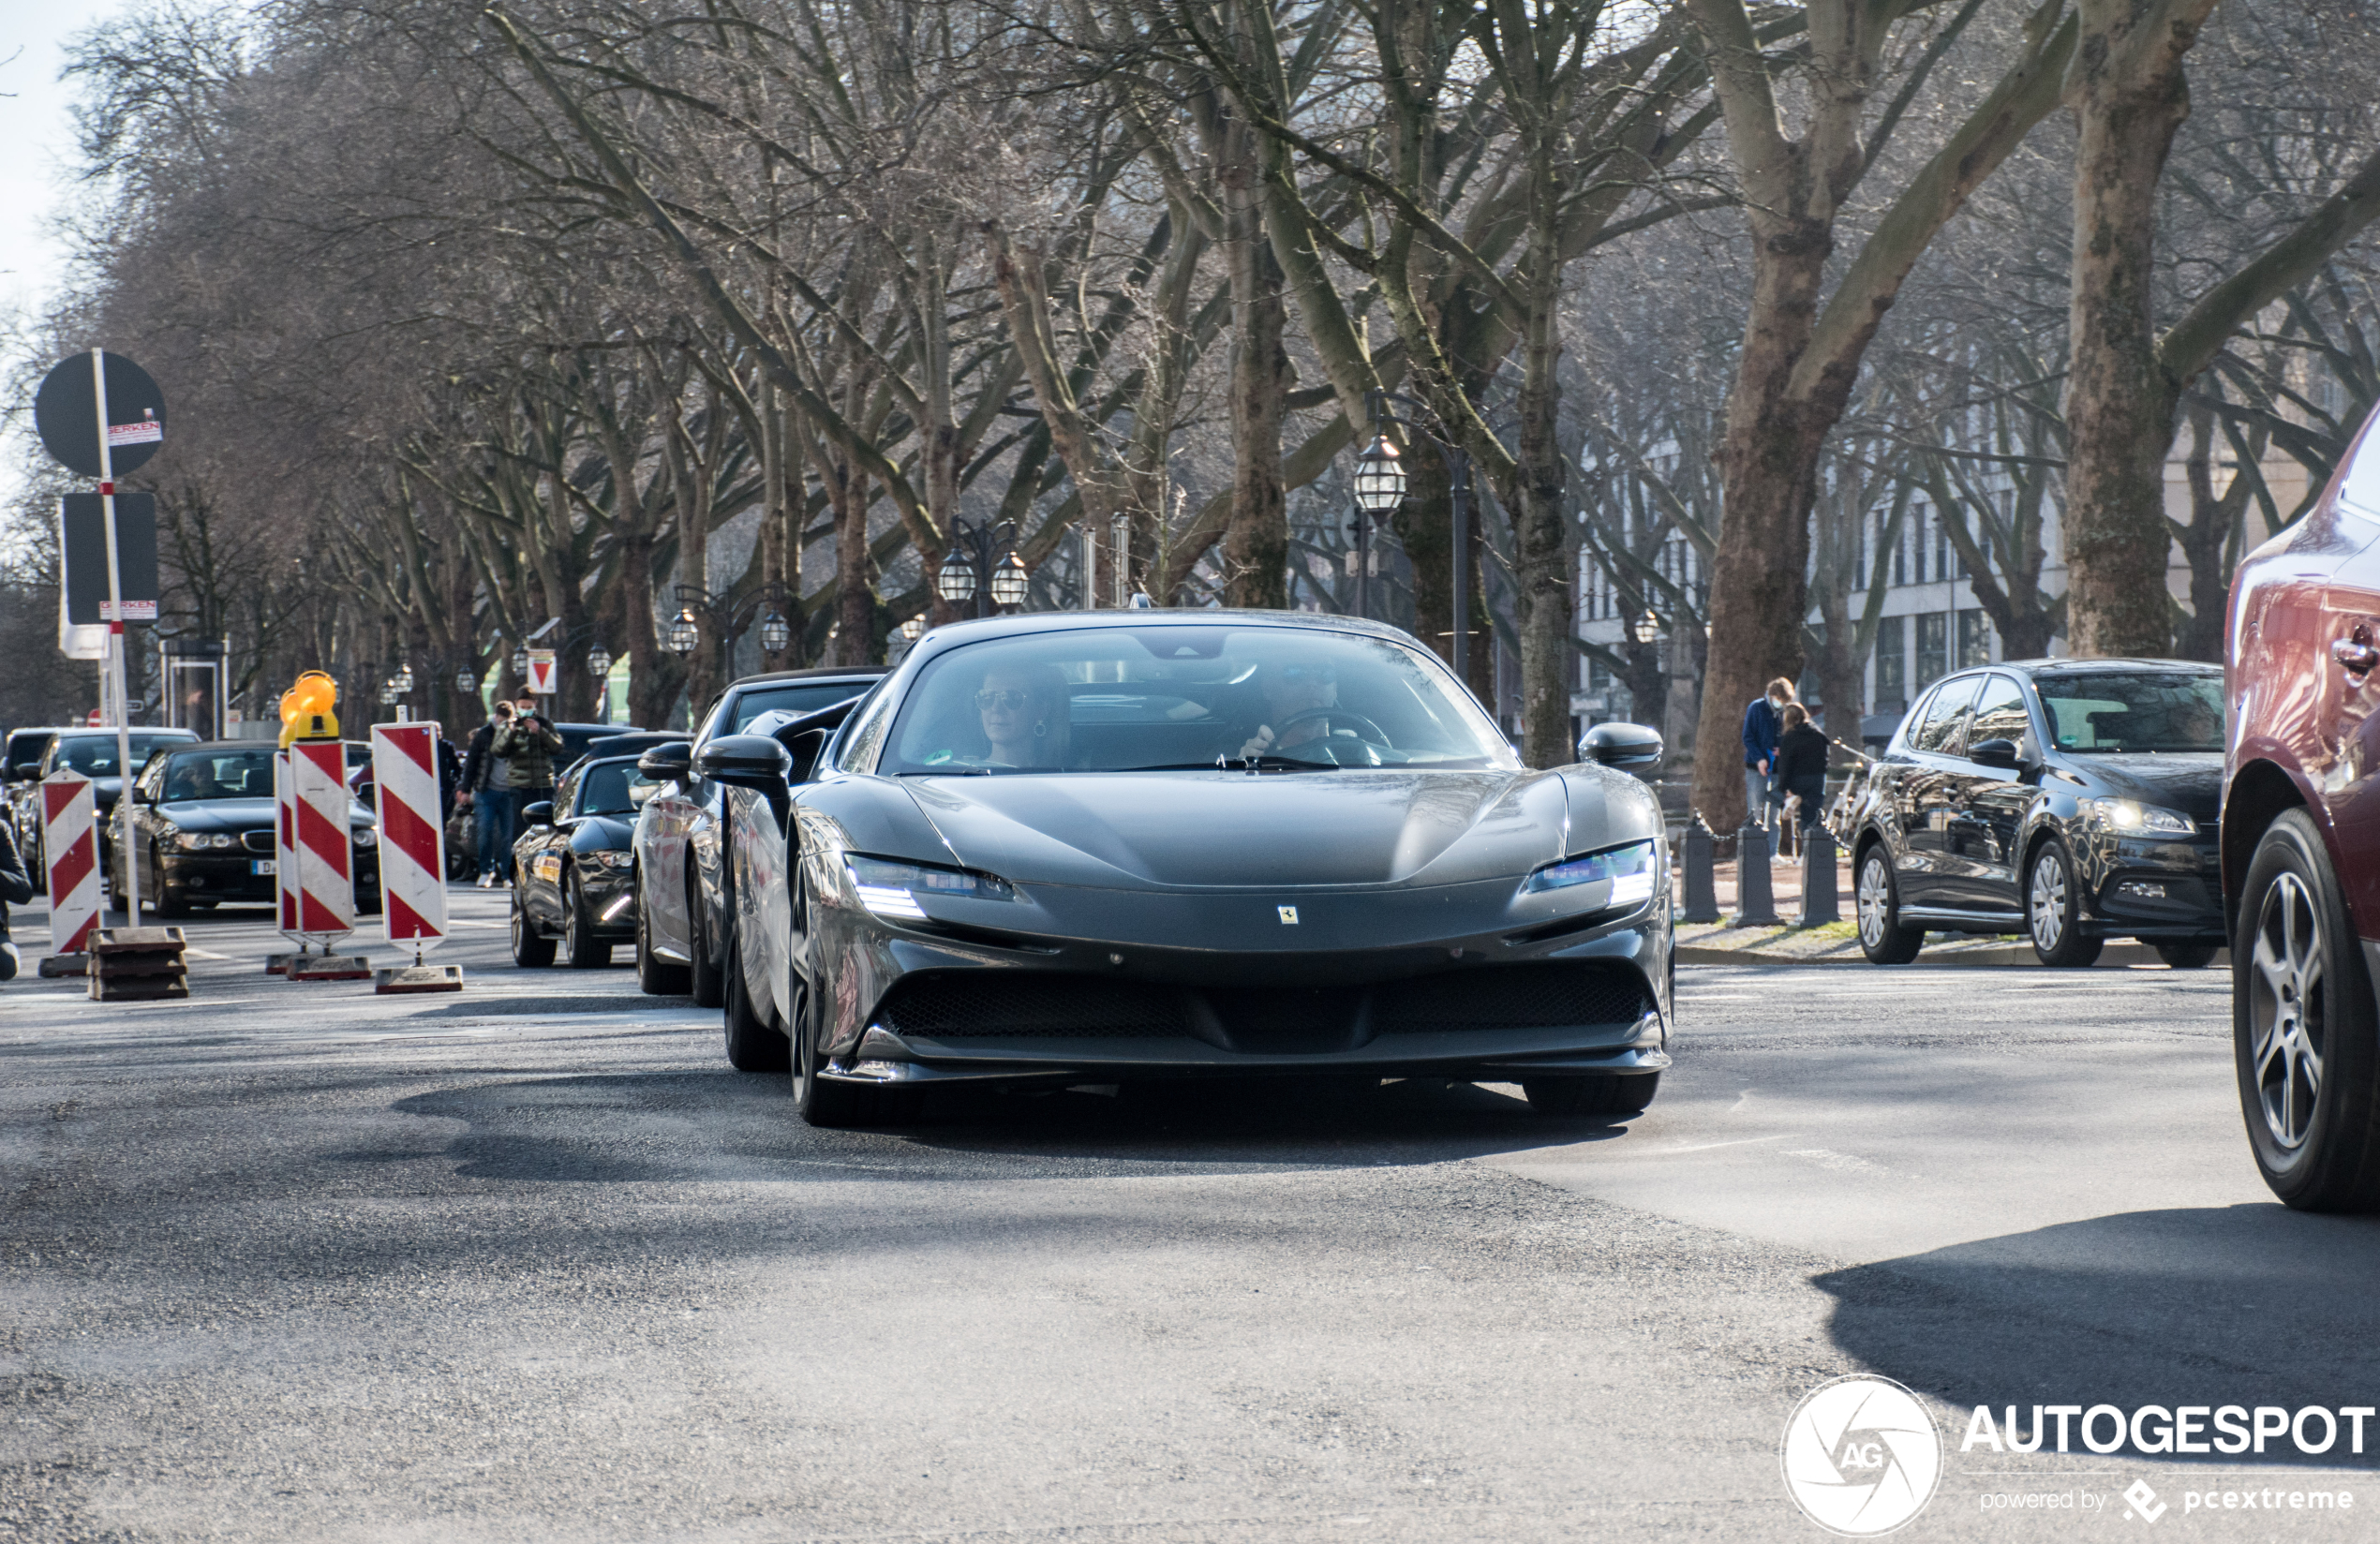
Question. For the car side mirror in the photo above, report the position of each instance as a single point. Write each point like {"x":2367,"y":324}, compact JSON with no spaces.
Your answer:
{"x":746,"y":761}
{"x":667,"y":763}
{"x":1622,"y":747}
{"x":539,"y":813}
{"x":25,"y":771}
{"x":1996,"y":753}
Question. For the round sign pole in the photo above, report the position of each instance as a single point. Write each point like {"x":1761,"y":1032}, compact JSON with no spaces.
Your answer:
{"x":117,"y":641}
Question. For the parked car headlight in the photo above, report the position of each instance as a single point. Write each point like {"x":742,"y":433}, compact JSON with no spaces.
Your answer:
{"x":2132,"y":818}
{"x":604,"y":857}
{"x":1630,"y":869}
{"x":202,"y":841}
{"x":892,"y":889}
{"x":366,"y":836}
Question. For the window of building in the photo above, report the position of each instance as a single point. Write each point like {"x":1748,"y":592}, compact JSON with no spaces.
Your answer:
{"x":1975,"y":638}
{"x":1892,"y":664}
{"x":1900,"y":555}
{"x":1933,"y":648}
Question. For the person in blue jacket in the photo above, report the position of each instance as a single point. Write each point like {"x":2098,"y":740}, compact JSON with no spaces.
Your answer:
{"x":1763,"y":722}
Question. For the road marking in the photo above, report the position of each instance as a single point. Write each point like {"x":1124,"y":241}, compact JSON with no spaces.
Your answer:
{"x":1740,"y":1142}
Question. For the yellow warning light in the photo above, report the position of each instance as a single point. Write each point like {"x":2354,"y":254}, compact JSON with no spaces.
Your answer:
{"x":306,"y":709}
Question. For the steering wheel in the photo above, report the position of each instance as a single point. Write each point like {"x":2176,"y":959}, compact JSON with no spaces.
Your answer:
{"x":1364,"y":728}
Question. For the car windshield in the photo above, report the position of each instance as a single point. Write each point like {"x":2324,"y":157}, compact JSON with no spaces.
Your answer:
{"x":93,"y":755}
{"x":614,"y":788}
{"x":219,"y":775}
{"x":1151,"y":698}
{"x":794,"y":697}
{"x":2111,"y":712}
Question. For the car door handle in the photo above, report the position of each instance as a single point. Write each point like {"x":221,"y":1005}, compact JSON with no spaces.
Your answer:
{"x":2355,"y":655}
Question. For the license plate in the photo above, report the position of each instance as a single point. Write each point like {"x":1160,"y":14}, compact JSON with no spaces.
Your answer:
{"x":264,"y":866}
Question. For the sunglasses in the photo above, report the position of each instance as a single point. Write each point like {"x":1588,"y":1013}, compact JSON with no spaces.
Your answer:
{"x":1011,"y":699}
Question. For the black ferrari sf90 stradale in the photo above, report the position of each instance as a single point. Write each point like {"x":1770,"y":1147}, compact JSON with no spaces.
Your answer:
{"x":1100,"y":848}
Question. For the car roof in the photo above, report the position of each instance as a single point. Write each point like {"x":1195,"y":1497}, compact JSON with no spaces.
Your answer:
{"x":585,"y":762}
{"x":136,"y":729}
{"x":237,"y":744}
{"x":1022,"y":623}
{"x":2067,"y":667}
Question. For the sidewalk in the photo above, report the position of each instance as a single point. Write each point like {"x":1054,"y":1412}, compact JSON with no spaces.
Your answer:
{"x":1837,"y":942}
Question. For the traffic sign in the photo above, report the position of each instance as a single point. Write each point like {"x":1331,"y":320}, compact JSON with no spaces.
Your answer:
{"x":67,"y":415}
{"x":540,"y":672}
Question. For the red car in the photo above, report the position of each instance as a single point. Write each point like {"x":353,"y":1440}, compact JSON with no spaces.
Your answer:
{"x":2301,"y":843}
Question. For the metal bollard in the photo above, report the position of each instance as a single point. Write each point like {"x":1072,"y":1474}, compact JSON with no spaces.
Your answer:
{"x":1701,"y":872}
{"x":1755,"y":903}
{"x":1820,"y":901}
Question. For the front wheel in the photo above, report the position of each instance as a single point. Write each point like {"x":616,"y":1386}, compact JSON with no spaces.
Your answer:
{"x":655,"y":976}
{"x":2053,"y":910}
{"x":2187,"y":957}
{"x":585,"y":951}
{"x":2303,"y":1033}
{"x":753,"y":1043}
{"x":1605,"y":1095}
{"x":531,"y":950}
{"x":706,"y":983}
{"x":1881,"y":937}
{"x":827,"y":1102}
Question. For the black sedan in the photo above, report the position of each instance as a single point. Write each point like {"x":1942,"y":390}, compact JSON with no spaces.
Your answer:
{"x":679,"y":896}
{"x":93,"y":754}
{"x":202,"y":831}
{"x":2074,"y":800}
{"x":1116,"y":847}
{"x":572,"y":877}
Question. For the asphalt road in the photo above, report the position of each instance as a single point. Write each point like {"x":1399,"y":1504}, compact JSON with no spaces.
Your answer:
{"x":292,"y":1262}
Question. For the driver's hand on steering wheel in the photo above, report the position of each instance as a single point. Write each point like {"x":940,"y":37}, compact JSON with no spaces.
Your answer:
{"x":1259,"y":743}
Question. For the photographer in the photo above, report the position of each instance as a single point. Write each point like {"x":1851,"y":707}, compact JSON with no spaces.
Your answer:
{"x":527,"y":745}
{"x":14,"y":888}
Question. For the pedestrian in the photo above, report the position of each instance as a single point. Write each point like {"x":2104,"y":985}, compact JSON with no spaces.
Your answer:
{"x":1762,"y":723}
{"x":1801,"y":763}
{"x":488,"y":793}
{"x":527,"y":745}
{"x":16,"y":888}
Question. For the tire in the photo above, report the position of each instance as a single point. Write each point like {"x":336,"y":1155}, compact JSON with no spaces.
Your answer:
{"x":1876,"y":903}
{"x":1592,"y":1095}
{"x":706,"y":983}
{"x":655,"y":976}
{"x":823,"y":1101}
{"x":580,"y":946}
{"x":2301,"y":1014}
{"x":753,"y":1043}
{"x":2187,"y":957}
{"x":2053,"y":909}
{"x":531,"y":950}
{"x":166,"y":903}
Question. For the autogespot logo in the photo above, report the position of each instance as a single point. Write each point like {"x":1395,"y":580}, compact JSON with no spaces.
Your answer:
{"x":1861,"y":1456}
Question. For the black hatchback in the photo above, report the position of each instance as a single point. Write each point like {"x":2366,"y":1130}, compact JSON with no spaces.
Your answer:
{"x":2071,"y":800}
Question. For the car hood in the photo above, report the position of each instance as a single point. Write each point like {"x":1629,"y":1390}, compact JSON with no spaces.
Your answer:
{"x":236,"y":814}
{"x":1228,"y":829}
{"x":590,"y":832}
{"x":2191,"y":782}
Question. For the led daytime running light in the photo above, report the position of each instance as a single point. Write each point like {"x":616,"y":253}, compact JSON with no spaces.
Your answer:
{"x":1629,"y":869}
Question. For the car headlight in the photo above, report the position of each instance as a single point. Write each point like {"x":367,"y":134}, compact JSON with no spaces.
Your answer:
{"x":1630,"y":869}
{"x":2140,"y":818}
{"x":366,"y":836}
{"x":201,"y":841}
{"x":892,"y":889}
{"x":604,"y":857}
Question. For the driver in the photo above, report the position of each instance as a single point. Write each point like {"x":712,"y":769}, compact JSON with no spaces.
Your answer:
{"x":1291,"y":688}
{"x":1023,"y":708}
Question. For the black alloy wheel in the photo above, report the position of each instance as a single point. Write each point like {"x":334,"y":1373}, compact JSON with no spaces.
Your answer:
{"x":1604,"y":1095}
{"x":1877,"y":904}
{"x":531,"y":950}
{"x":704,"y":980}
{"x":655,"y":976}
{"x":828,"y":1102}
{"x":2304,"y":1037}
{"x":2187,"y":957}
{"x":2053,"y":909}
{"x":580,"y":946}
{"x":753,"y":1043}
{"x":169,"y":902}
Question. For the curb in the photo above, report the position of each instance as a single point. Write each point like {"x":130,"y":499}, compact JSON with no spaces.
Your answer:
{"x":2014,"y":954}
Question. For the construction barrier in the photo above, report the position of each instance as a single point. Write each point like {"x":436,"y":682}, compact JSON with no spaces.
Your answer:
{"x":70,"y":852}
{"x":412,"y":834}
{"x":323,"y":840}
{"x":285,"y":847}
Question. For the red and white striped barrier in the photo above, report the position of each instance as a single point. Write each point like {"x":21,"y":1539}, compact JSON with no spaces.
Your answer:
{"x":319,"y":803}
{"x":283,"y":847}
{"x":413,"y":835}
{"x":70,"y":851}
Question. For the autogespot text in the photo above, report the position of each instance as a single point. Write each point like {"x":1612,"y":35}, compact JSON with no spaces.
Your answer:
{"x":2179,"y":1429}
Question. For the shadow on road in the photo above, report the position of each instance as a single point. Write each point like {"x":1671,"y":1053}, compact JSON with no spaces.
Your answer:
{"x":2245,"y":1305}
{"x":675,"y":1126}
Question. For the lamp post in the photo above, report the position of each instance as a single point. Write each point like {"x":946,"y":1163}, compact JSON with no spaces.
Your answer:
{"x":978,"y":550}
{"x":731,"y":616}
{"x":1458,"y":481}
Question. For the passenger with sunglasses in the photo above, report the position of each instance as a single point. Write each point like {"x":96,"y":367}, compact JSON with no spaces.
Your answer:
{"x":1290,"y":688}
{"x":1023,"y":710}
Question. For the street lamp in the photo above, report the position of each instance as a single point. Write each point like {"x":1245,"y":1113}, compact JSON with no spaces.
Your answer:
{"x":1010,"y":583}
{"x":1647,"y":628}
{"x":774,"y":633}
{"x":974,"y":552}
{"x":598,"y":662}
{"x":684,"y":633}
{"x":1377,"y":476}
{"x":466,"y":680}
{"x":403,"y":679}
{"x":913,"y":628}
{"x":520,"y":661}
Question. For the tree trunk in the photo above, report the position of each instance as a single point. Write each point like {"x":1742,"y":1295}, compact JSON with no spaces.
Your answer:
{"x":1255,"y":542}
{"x":2129,"y":97}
